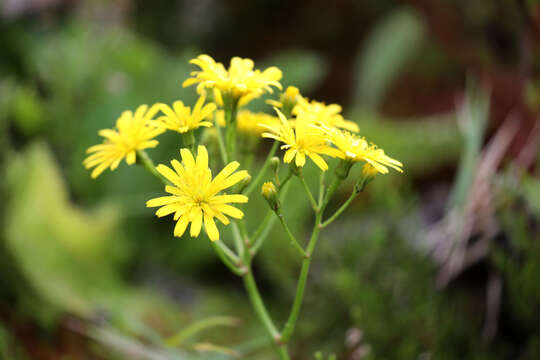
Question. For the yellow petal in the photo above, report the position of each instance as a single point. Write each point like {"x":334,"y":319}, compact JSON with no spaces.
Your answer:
{"x":229,"y":198}
{"x":319,"y":161}
{"x":231,"y":211}
{"x":187,"y":159}
{"x":189,"y":82}
{"x":130,"y":157}
{"x":181,"y":225}
{"x":211,"y":228}
{"x":202,"y":158}
{"x":289,"y":155}
{"x":166,"y":210}
{"x":300,"y":159}
{"x":196,"y":222}
{"x":168,"y":173}
{"x":160,"y":201}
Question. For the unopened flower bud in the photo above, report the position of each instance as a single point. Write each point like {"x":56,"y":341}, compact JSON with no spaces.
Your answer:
{"x":343,"y":168}
{"x":368,"y":174}
{"x":270,"y":193}
{"x":291,"y":93}
{"x":369,"y":170}
{"x":244,"y":183}
{"x":289,"y":99}
{"x":274,"y":163}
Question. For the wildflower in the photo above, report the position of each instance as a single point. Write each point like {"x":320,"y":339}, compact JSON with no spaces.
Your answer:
{"x":354,"y":148}
{"x":240,"y":81}
{"x":324,"y":115}
{"x":180,"y":118}
{"x":304,"y":140}
{"x":247,"y":122}
{"x":195,"y":195}
{"x":133,"y":132}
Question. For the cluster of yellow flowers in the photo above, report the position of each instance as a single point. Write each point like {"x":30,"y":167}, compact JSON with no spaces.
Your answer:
{"x":195,"y":198}
{"x":306,"y":128}
{"x":313,"y":131}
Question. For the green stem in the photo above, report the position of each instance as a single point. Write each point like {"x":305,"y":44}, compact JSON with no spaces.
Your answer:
{"x":238,"y":243}
{"x":255,"y":183}
{"x":308,"y":192}
{"x":294,"y":242}
{"x":260,"y":234}
{"x":148,"y":164}
{"x":228,"y":252}
{"x":336,"y":181}
{"x":262,"y":313}
{"x":287,"y":178}
{"x":358,"y":188}
{"x":188,"y":139}
{"x":302,"y":280}
{"x":230,"y":130}
{"x":262,"y":231}
{"x":340,"y":210}
{"x":227,"y":261}
{"x":321,"y":187}
{"x":221,"y":144}
{"x":198,"y":327}
{"x":243,"y":233}
{"x":248,"y":159}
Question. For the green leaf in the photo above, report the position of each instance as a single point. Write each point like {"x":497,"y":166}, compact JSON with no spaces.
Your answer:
{"x":199,"y":326}
{"x":392,"y":44}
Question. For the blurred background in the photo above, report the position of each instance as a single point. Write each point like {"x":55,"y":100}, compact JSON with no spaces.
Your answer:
{"x":441,"y":262}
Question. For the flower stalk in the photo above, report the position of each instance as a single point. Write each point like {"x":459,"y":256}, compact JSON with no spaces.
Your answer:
{"x":188,"y":139}
{"x":257,"y":181}
{"x":145,"y":160}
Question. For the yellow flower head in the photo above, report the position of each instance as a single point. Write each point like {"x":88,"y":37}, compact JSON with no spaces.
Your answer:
{"x":303,"y":140}
{"x":180,"y":118}
{"x":354,"y":148}
{"x":322,"y":114}
{"x":240,"y":81}
{"x":194,"y":196}
{"x":133,"y":132}
{"x":247,"y":122}
{"x":268,"y":189}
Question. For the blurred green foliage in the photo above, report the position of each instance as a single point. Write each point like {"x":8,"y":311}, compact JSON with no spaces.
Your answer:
{"x":393,"y":43}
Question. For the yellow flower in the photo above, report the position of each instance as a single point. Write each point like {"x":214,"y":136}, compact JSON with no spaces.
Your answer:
{"x":354,"y":148}
{"x":247,"y":122}
{"x":322,"y":114}
{"x":304,"y":140}
{"x":195,"y":195}
{"x":133,"y":132}
{"x":240,"y":81}
{"x":180,"y":118}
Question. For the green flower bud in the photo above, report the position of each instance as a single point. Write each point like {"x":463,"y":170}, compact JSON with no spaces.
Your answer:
{"x":244,"y":183}
{"x":343,"y":168}
{"x":274,"y":163}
